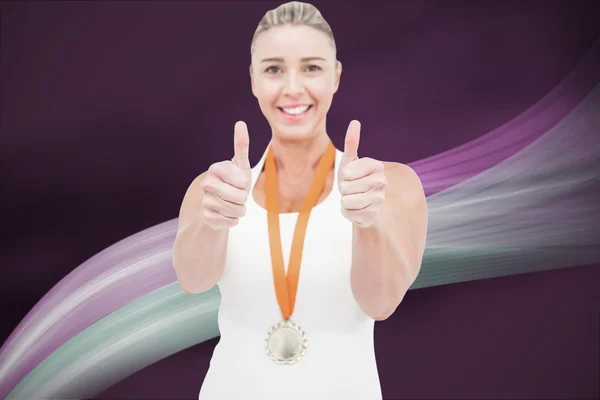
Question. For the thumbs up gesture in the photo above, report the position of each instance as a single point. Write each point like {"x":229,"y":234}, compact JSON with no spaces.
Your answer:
{"x":227,"y":185}
{"x":361,"y":182}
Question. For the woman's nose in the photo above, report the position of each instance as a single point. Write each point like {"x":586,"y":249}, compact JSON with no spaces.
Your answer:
{"x":293,"y":85}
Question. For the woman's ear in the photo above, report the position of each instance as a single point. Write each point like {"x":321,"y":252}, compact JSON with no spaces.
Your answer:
{"x":251,"y":80}
{"x":338,"y":74}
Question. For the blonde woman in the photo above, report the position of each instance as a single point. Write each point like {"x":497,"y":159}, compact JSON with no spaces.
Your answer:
{"x":311,"y":245}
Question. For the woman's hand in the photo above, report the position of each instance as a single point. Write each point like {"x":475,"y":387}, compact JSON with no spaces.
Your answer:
{"x":227,"y":185}
{"x":361,"y":182}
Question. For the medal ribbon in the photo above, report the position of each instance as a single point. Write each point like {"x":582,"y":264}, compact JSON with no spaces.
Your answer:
{"x":286,"y":287}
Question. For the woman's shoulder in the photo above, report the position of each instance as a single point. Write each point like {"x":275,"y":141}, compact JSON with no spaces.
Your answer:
{"x":398,"y":170}
{"x":402,"y":179}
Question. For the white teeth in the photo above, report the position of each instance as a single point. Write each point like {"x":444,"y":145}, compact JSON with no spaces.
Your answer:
{"x":295,"y":110}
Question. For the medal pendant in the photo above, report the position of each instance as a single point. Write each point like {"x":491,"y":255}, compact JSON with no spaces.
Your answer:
{"x":286,"y":343}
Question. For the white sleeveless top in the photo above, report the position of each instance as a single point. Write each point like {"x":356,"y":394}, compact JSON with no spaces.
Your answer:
{"x":340,"y":360}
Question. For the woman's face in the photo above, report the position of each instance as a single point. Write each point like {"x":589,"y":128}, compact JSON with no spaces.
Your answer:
{"x":294,"y":76}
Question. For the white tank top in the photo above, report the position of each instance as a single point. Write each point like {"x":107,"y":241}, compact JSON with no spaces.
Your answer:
{"x":340,"y":359}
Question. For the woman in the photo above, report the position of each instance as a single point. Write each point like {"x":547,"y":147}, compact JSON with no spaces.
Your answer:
{"x":310,"y":246}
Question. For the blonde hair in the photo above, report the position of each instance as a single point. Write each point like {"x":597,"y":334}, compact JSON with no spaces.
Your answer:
{"x":294,"y":13}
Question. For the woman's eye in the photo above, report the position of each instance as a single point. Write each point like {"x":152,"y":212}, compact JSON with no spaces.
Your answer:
{"x":276,"y":70}
{"x":272,"y":70}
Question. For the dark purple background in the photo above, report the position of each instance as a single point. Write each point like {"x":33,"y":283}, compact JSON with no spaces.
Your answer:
{"x":109,"y":110}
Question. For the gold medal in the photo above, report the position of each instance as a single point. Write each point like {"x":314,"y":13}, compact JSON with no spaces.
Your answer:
{"x":286,"y":342}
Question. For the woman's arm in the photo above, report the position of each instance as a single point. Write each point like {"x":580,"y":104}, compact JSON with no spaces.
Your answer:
{"x":213,"y":203}
{"x":387,"y":255}
{"x":199,"y":251}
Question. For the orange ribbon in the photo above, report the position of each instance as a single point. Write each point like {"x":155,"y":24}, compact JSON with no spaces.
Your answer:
{"x":286,"y":287}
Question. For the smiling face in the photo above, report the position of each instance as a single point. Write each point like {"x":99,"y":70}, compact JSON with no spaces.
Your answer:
{"x":294,"y":76}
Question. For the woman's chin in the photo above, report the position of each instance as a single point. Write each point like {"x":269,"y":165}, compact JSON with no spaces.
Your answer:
{"x":294,"y":134}
{"x":298,"y":131}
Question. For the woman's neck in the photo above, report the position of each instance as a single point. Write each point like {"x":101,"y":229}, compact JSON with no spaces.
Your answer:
{"x":296,"y":161}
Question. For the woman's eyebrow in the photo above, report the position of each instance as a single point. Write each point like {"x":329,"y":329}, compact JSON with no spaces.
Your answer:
{"x":279,"y":59}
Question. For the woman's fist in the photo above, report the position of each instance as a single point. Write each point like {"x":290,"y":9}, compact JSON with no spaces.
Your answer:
{"x":227,"y":185}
